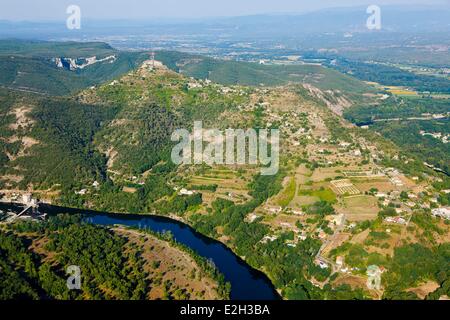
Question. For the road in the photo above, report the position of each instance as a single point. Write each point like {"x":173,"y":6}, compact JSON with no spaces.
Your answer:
{"x":329,"y":240}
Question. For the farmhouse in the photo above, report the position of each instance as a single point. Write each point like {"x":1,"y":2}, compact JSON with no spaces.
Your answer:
{"x":339,"y":261}
{"x":443,"y":212}
{"x":82,"y":192}
{"x":185,"y":192}
{"x":321,"y":264}
{"x":381,"y":195}
{"x":273,"y":209}
{"x":297,"y":212}
{"x":397,"y":220}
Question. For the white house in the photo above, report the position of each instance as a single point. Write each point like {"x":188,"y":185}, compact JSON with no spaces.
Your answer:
{"x":398,"y":220}
{"x":82,"y":192}
{"x":339,"y":261}
{"x":185,"y":192}
{"x":274,"y":209}
{"x":443,"y":212}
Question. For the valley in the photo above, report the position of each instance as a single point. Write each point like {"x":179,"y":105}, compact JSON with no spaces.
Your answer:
{"x":346,"y":198}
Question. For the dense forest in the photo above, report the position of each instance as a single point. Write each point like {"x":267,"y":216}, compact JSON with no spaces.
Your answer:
{"x":395,"y":107}
{"x":404,"y":131}
{"x":429,"y":149}
{"x":109,"y":270}
{"x":392,"y":76}
{"x":65,"y":153}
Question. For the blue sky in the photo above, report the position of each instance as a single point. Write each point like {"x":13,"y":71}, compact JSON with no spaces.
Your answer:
{"x":140,"y":9}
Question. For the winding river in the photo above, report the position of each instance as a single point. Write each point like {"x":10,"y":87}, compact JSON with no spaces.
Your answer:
{"x":246,"y":282}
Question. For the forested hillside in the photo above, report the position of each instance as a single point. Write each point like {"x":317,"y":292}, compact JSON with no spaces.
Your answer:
{"x":410,"y":123}
{"x":245,"y":73}
{"x":393,"y":76}
{"x":31,"y":65}
{"x":49,"y":140}
{"x":34,"y":258}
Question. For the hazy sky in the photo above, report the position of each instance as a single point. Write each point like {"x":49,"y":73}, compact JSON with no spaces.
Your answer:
{"x":139,"y":9}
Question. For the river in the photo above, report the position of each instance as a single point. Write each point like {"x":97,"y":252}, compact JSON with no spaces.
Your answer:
{"x":246,"y":282}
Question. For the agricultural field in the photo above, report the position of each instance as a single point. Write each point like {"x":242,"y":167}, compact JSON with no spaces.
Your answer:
{"x":225,"y":183}
{"x":288,"y":193}
{"x":322,"y":174}
{"x":359,"y":208}
{"x":344,"y":187}
{"x":401,"y":91}
{"x":321,"y":194}
{"x":381,"y":184}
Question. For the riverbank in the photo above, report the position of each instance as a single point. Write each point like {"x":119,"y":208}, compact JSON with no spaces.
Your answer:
{"x":247,"y":283}
{"x":183,"y":221}
{"x":166,"y":262}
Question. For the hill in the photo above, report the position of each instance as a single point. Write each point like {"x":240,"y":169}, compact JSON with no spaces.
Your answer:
{"x":33,"y":65}
{"x":253,"y":74}
{"x":116,"y":264}
{"x":57,"y":68}
{"x":344,"y":199}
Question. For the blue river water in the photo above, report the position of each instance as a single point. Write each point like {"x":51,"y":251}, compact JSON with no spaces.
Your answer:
{"x":246,"y":282}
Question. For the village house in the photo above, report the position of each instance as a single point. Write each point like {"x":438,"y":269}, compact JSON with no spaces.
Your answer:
{"x":273,"y":209}
{"x":397,"y":220}
{"x":410,"y":204}
{"x":443,"y":212}
{"x":321,"y":234}
{"x":252,"y":217}
{"x":269,"y":238}
{"x":321,"y":264}
{"x":185,"y":192}
{"x":297,"y":212}
{"x":339,"y":261}
{"x":425,"y":205}
{"x":381,"y":195}
{"x":194,"y":85}
{"x":82,"y":192}
{"x":338,"y":219}
{"x":302,"y":237}
{"x":286,"y":225}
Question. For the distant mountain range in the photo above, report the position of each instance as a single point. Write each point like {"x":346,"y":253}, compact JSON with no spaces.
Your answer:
{"x":411,"y":19}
